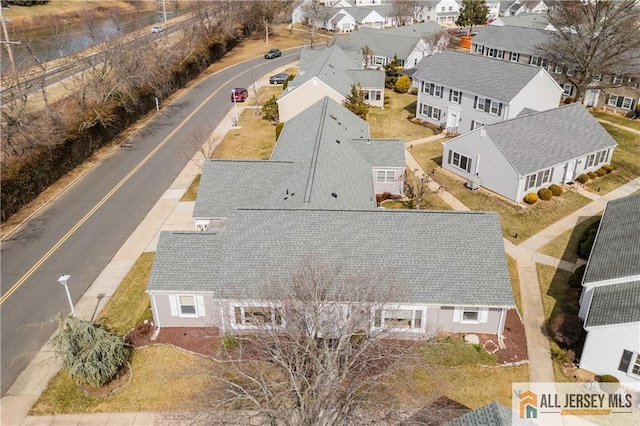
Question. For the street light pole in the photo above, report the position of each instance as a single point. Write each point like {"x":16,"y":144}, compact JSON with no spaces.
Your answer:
{"x":235,"y":106}
{"x":63,"y":280}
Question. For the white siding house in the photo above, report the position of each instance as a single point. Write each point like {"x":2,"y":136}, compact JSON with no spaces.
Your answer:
{"x":610,"y":299}
{"x":535,"y":150}
{"x":462,"y":92}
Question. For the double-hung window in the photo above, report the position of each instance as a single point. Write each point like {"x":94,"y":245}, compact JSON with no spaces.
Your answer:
{"x":479,"y":49}
{"x":431,"y":112}
{"x":514,"y":57}
{"x":618,"y":79}
{"x":567,"y":89}
{"x":538,"y":179}
{"x":455,"y":96}
{"x":460,"y":161}
{"x":621,"y":102}
{"x":470,"y":315}
{"x":187,"y":305}
{"x":432,"y":89}
{"x":487,"y":105}
{"x":630,"y":363}
{"x":385,"y":176}
{"x":557,"y":69}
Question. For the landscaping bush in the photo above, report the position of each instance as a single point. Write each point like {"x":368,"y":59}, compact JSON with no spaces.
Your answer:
{"x":609,"y":383}
{"x":230,"y":342}
{"x":565,"y":329}
{"x":556,"y":190}
{"x":568,"y":100}
{"x":592,"y":175}
{"x":531,"y":198}
{"x":582,"y":178}
{"x":601,"y":172}
{"x":402,"y":84}
{"x":545,"y":194}
{"x":575,"y":281}
{"x":608,"y":168}
{"x":587,"y":239}
{"x":279,"y":127}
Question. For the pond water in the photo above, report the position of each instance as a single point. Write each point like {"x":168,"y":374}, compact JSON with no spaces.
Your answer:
{"x":57,"y":40}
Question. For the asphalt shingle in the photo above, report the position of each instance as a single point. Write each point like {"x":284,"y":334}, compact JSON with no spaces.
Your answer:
{"x":615,"y":304}
{"x":512,"y":39}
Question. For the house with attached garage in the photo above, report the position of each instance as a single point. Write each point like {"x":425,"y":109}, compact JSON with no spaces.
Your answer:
{"x":323,"y":159}
{"x":329,"y":72}
{"x":449,"y":274}
{"x":408,"y":43}
{"x":610,"y":299}
{"x":529,"y":152}
{"x":462,"y":92}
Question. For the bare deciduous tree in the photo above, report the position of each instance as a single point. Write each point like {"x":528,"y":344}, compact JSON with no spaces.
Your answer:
{"x":594,"y":38}
{"x":312,"y":10}
{"x":403,"y":11}
{"x":316,"y":356}
{"x":416,"y":187}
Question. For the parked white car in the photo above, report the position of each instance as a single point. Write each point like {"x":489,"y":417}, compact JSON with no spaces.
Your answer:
{"x":157,"y":29}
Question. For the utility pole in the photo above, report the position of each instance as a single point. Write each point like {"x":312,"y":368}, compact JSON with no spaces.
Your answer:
{"x":8,"y":43}
{"x":164,"y":12}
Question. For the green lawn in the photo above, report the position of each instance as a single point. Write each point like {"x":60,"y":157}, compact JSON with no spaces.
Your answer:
{"x":391,"y":122}
{"x":515,"y":219}
{"x":565,"y":246}
{"x":253,"y":140}
{"x":616,"y":118}
{"x":626,"y":160}
{"x":429,"y":202}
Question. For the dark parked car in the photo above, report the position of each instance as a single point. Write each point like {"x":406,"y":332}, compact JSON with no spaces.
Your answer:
{"x":278,"y":78}
{"x":273,"y":53}
{"x":239,"y":94}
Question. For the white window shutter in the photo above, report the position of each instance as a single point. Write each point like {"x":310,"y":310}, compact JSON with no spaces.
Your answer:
{"x":457,"y":314}
{"x":173,"y":305}
{"x":484,"y":315}
{"x":200,"y":302}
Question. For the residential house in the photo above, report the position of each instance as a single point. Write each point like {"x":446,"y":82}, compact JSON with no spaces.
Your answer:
{"x":462,"y":92}
{"x":616,"y":91}
{"x":408,"y":43}
{"x":527,"y":20}
{"x":448,"y":274}
{"x":532,"y":151}
{"x":329,"y":72}
{"x":323,"y":159}
{"x":513,"y":8}
{"x":610,"y":300}
{"x":444,"y":12}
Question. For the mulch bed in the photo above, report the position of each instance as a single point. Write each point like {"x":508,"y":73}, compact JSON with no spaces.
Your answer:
{"x":515,"y":341}
{"x":205,"y":340}
{"x":202,"y":340}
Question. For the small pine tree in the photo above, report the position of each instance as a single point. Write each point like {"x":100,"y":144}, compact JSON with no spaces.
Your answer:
{"x":91,"y":354}
{"x":355,"y":102}
{"x":391,"y":71}
{"x":270,"y":109}
{"x":285,"y":83}
{"x":472,"y":13}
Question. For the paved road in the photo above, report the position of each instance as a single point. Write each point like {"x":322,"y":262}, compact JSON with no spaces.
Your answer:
{"x":80,"y":231}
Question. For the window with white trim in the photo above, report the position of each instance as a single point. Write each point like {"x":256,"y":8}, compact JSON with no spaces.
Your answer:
{"x":432,"y":89}
{"x":571,"y":71}
{"x":455,"y":96}
{"x":401,"y":318}
{"x":380,"y":60}
{"x":618,"y":79}
{"x":557,"y":69}
{"x":601,"y":157}
{"x":567,"y":89}
{"x":514,"y":57}
{"x":385,"y":176}
{"x":635,"y":366}
{"x":479,"y":49}
{"x":538,"y":61}
{"x":186,"y":305}
{"x":597,"y":77}
{"x":621,"y":102}
{"x":459,"y":161}
{"x":538,"y":179}
{"x":495,"y":53}
{"x":372,"y":95}
{"x":476,"y":124}
{"x":487,"y":105}
{"x":256,"y":315}
{"x":590,"y":161}
{"x":431,"y":112}
{"x":470,"y":315}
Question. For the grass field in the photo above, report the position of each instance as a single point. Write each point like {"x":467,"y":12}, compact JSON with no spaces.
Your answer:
{"x":391,"y":122}
{"x":616,"y":118}
{"x":565,"y":246}
{"x":515,"y":220}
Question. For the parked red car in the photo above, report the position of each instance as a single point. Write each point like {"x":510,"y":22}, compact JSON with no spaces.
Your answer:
{"x":239,"y":94}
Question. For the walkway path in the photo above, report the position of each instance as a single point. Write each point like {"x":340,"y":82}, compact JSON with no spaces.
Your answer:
{"x":526,"y":256}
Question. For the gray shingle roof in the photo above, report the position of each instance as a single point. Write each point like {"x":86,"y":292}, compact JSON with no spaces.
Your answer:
{"x":616,"y":250}
{"x":331,"y":167}
{"x":538,"y":141}
{"x":373,"y":79}
{"x":615,"y":304}
{"x":528,"y":20}
{"x":387,"y":42}
{"x":333,"y":67}
{"x":512,"y":39}
{"x":453,"y":258}
{"x":494,"y":78}
{"x":226,"y":185}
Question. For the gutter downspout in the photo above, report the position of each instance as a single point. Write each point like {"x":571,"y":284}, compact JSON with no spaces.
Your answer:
{"x":156,"y":318}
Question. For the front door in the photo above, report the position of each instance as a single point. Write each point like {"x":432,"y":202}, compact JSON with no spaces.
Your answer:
{"x":568,"y":172}
{"x":591,"y":97}
{"x":453,"y":117}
